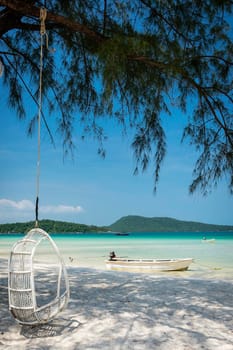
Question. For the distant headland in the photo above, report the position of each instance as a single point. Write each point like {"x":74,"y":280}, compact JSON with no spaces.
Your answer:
{"x":131,"y":223}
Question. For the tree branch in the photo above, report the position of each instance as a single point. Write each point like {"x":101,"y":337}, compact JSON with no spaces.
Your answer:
{"x":33,"y":98}
{"x":178,"y":70}
{"x":161,"y":17}
{"x":212,"y":57}
{"x":29,"y":10}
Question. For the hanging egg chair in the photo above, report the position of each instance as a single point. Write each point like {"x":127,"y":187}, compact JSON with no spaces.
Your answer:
{"x":38,"y":285}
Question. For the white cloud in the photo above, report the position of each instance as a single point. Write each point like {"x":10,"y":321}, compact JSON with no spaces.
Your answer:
{"x":24,"y":204}
{"x":61,"y":209}
{"x":24,"y":209}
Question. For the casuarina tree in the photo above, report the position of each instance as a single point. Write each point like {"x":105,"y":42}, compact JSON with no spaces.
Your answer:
{"x":133,"y":61}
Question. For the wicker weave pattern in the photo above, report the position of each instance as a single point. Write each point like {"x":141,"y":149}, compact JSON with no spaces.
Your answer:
{"x":24,"y":297}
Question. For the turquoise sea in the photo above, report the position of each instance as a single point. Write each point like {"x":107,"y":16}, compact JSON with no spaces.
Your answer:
{"x":212,"y":259}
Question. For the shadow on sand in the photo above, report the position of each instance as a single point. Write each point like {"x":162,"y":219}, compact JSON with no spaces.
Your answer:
{"x":130,"y":311}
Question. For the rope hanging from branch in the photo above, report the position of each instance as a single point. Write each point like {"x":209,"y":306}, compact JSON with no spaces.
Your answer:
{"x":43,"y":34}
{"x":1,"y":67}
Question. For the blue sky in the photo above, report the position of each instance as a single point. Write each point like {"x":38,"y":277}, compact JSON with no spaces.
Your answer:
{"x":91,"y":190}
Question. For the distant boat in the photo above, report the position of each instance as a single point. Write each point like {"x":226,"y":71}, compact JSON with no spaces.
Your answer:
{"x":205,"y":240}
{"x":147,"y":265}
{"x":122,"y":234}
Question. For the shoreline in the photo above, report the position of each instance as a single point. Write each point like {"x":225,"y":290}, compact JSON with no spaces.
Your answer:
{"x":195,"y":271}
{"x":212,"y":261}
{"x":121,"y":310}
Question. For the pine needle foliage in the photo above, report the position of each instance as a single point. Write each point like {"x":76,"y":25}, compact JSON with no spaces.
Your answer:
{"x":129,"y":60}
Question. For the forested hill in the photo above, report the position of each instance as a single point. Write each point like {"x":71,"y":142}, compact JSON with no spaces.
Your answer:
{"x":50,"y":226}
{"x":125,"y":224}
{"x":156,"y":224}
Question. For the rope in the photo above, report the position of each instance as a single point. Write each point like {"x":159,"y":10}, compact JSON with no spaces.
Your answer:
{"x":1,"y":67}
{"x":208,"y":266}
{"x":43,"y":14}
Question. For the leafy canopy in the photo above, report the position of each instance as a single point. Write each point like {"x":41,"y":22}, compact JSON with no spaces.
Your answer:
{"x":130,"y":60}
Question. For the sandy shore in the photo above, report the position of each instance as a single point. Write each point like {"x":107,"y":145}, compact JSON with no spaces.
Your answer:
{"x":123,"y":311}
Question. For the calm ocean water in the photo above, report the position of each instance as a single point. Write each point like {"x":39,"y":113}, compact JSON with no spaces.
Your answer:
{"x":90,"y":250}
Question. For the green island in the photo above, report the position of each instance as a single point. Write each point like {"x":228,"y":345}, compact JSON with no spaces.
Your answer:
{"x":131,"y":223}
{"x":50,"y":226}
{"x":134,"y":223}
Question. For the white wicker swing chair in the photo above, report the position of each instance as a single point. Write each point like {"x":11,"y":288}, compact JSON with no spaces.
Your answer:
{"x":38,"y":288}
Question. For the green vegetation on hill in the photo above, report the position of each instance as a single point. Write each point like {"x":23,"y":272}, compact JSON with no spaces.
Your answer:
{"x":50,"y":226}
{"x":133,"y":223}
{"x":125,"y":224}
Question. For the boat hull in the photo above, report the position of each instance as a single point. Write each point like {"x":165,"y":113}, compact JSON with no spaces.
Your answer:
{"x":212,"y":240}
{"x":148,"y":265}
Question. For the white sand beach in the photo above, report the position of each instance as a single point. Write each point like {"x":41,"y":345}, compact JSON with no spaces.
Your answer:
{"x":123,"y":311}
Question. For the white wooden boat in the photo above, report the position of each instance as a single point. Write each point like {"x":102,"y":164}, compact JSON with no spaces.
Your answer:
{"x":205,"y":240}
{"x":147,"y":265}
